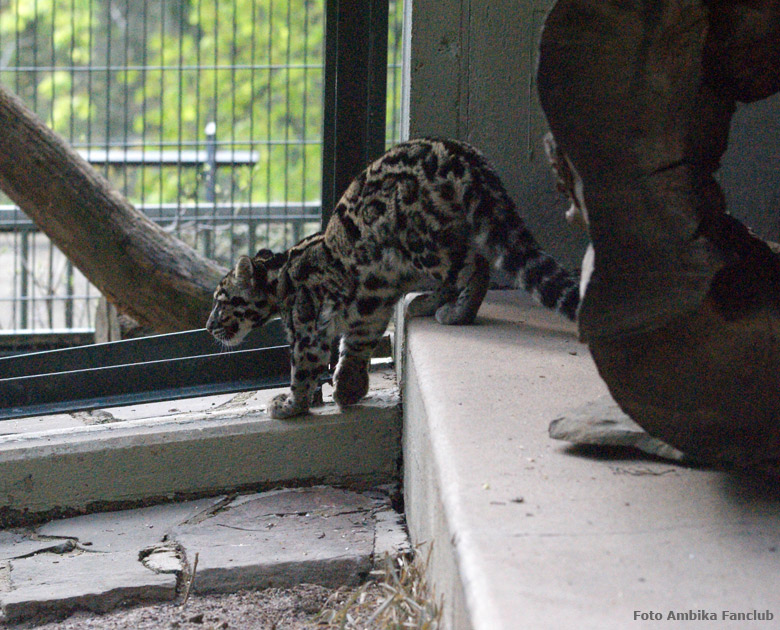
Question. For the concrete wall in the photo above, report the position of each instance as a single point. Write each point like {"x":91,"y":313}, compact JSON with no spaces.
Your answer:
{"x":750,"y":171}
{"x":471,"y":75}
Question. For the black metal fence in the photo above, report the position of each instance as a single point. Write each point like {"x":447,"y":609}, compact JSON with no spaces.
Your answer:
{"x":206,"y":114}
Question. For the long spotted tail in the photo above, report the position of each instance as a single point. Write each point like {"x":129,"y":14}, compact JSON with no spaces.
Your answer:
{"x":541,"y":275}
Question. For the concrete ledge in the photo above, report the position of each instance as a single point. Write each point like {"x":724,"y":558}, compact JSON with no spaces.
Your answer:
{"x":80,"y":469}
{"x":528,"y":532}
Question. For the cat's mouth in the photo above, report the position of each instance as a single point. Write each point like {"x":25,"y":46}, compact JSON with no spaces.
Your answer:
{"x":225,"y":337}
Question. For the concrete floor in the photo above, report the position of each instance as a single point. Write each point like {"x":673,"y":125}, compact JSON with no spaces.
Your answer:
{"x":67,"y":464}
{"x":526,"y":532}
{"x":98,"y":562}
{"x":532,"y":533}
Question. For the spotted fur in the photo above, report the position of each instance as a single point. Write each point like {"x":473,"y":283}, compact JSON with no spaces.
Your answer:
{"x":427,"y":213}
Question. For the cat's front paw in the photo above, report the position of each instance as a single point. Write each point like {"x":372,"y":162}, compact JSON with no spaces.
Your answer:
{"x":284,"y":406}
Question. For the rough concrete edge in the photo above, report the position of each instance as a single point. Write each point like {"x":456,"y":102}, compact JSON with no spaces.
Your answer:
{"x":444,"y":566}
{"x":224,"y":420}
{"x":469,"y":602}
{"x":15,"y":612}
{"x":345,"y":571}
{"x":155,"y":557}
{"x":433,"y":518}
{"x":391,"y":537}
{"x":40,"y":478}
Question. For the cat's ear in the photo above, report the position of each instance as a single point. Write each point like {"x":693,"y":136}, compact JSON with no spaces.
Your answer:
{"x":245,"y":273}
{"x":270,"y":260}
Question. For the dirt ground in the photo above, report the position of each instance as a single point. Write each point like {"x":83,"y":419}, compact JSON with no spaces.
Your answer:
{"x":273,"y":609}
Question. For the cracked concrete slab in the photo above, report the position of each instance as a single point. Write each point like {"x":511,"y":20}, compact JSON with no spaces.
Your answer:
{"x":126,"y":529}
{"x":90,"y":562}
{"x":46,"y":584}
{"x":318,"y":535}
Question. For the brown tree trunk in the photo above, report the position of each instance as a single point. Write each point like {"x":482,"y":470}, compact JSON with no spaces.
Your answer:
{"x":146,"y":272}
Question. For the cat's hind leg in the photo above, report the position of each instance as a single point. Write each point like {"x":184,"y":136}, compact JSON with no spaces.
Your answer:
{"x":350,"y":379}
{"x":426,"y":304}
{"x":470,"y":289}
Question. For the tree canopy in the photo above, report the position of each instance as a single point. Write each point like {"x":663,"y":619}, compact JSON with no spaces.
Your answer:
{"x":154,"y":74}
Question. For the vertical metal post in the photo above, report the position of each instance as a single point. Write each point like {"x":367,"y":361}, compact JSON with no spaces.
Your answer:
{"x":211,"y":183}
{"x":69,"y":294}
{"x":25,"y":280}
{"x":354,"y":92}
{"x":50,"y":289}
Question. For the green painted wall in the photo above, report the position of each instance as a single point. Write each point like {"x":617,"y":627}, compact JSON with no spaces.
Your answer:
{"x":471,"y":75}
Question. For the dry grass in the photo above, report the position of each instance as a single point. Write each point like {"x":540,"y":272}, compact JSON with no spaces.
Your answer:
{"x":397,"y":598}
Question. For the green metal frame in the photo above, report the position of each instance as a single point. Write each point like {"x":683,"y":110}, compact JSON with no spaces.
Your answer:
{"x":355,"y":93}
{"x":162,"y":367}
{"x":183,"y":365}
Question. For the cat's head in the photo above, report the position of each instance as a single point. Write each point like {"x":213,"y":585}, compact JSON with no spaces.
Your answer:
{"x":246,"y":297}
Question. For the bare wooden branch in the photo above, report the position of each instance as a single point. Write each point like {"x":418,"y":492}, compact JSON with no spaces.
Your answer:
{"x":146,"y":272}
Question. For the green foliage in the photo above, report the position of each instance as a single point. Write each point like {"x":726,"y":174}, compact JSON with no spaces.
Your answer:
{"x":152,"y":74}
{"x":155,"y":73}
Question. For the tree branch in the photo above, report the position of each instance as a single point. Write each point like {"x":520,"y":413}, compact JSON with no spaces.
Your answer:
{"x":147,"y":273}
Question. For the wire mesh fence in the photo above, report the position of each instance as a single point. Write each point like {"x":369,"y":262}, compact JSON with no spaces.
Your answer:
{"x":206,"y":115}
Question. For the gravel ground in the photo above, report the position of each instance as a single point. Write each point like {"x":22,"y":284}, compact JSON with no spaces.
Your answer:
{"x":272,"y":609}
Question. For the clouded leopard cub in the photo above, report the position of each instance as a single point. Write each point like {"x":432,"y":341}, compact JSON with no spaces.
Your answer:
{"x":427,"y":213}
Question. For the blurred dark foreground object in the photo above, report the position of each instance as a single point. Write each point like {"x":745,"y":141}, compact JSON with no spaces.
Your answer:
{"x":682,"y":313}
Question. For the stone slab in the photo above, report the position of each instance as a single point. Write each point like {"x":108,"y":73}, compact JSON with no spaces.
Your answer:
{"x":124,"y":530}
{"x":315,"y":535}
{"x":232,"y":447}
{"x":93,"y":562}
{"x":601,"y":422}
{"x":55,"y":584}
{"x":98,"y":561}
